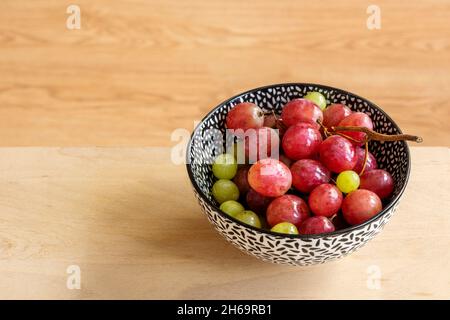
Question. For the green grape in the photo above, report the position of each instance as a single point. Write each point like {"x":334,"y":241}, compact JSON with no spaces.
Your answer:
{"x":224,"y":190}
{"x":347,"y":181}
{"x":285,"y":227}
{"x":224,"y":167}
{"x":232,"y":208}
{"x":250,"y":218}
{"x":318,"y":98}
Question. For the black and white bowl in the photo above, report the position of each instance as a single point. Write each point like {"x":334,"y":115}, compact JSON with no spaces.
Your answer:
{"x":294,"y":249}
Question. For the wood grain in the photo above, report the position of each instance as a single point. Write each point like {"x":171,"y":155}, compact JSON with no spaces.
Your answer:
{"x":128,"y":218}
{"x":138,"y":69}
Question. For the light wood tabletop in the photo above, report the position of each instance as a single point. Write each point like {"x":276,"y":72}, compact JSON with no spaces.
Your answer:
{"x":86,"y":118}
{"x":137,"y":234}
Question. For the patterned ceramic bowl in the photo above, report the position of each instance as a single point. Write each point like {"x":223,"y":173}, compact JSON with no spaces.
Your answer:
{"x":295,"y":249}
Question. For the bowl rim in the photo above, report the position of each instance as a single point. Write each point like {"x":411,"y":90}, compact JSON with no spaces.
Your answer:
{"x":386,"y":209}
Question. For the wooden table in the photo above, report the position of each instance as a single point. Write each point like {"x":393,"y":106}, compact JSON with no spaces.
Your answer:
{"x":128,"y":219}
{"x":136,"y":71}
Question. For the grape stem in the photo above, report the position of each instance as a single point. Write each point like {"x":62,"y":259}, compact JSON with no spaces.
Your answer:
{"x":366,"y":155}
{"x":279,"y":122}
{"x":373,"y":135}
{"x":370,"y":135}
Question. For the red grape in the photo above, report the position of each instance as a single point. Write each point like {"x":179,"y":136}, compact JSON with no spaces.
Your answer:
{"x":245,"y":115}
{"x":257,"y":202}
{"x":270,"y":177}
{"x":301,"y":110}
{"x":316,"y":225}
{"x":305,"y":125}
{"x":360,"y":205}
{"x":287,"y":208}
{"x":308,"y":174}
{"x":325,"y":200}
{"x":259,"y":144}
{"x":357,"y":119}
{"x":334,"y":114}
{"x":241,"y":180}
{"x":337,"y":154}
{"x":301,"y":141}
{"x":378,"y":181}
{"x":370,"y":164}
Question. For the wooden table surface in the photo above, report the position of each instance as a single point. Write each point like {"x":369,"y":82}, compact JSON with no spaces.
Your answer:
{"x":139,"y":69}
{"x":137,"y":234}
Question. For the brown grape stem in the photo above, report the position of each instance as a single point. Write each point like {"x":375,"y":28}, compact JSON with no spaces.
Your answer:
{"x":370,"y":135}
{"x":373,"y":135}
{"x":366,"y":155}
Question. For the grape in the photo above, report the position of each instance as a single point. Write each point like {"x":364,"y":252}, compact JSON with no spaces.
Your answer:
{"x":270,"y":121}
{"x":260,"y":144}
{"x":270,"y":177}
{"x":224,"y":167}
{"x":301,"y":141}
{"x":232,"y":207}
{"x":305,"y":125}
{"x":334,"y":114}
{"x":360,"y":205}
{"x":257,"y":202}
{"x":325,"y":200}
{"x":316,"y":225}
{"x":347,"y":181}
{"x":301,"y":110}
{"x":241,"y":180}
{"x":378,"y":181}
{"x":224,"y":190}
{"x":249,"y":217}
{"x":308,"y":174}
{"x":370,"y":164}
{"x":337,"y":154}
{"x":357,"y":119}
{"x":285,"y":227}
{"x":318,"y":98}
{"x":287,"y":208}
{"x":245,"y":115}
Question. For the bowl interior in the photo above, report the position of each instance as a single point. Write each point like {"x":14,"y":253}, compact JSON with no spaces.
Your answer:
{"x":204,"y":147}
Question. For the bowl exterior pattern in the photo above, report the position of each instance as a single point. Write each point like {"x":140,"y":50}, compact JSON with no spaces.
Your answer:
{"x":203,"y":148}
{"x":293,"y":251}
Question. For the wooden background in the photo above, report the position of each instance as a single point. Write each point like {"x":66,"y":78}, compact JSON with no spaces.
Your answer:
{"x":137,"y":70}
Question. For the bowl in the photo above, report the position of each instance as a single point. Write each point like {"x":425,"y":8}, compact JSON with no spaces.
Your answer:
{"x":299,"y":250}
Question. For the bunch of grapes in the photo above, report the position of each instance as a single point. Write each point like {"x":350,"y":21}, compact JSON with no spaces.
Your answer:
{"x":319,"y":181}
